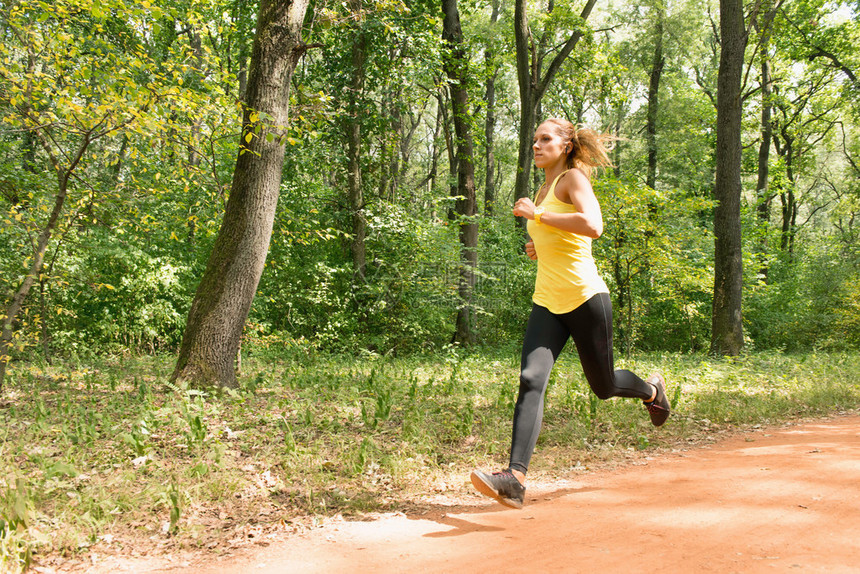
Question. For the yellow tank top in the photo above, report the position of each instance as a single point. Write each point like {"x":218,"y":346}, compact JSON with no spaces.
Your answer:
{"x":567,"y":276}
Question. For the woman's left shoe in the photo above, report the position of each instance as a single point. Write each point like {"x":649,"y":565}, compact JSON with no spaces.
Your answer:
{"x":658,"y":408}
{"x":502,"y":486}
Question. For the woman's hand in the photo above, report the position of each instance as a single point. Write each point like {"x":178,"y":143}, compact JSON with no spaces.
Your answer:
{"x":524,"y":207}
{"x":530,"y":250}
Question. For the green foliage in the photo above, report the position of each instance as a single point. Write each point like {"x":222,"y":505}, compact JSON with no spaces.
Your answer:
{"x":158,"y":83}
{"x":656,"y":260}
{"x":808,"y":302}
{"x":17,"y":541}
{"x":120,"y":297}
{"x":356,"y":392}
{"x":403,"y":303}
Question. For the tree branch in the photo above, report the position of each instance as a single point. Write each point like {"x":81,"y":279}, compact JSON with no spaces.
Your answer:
{"x":559,"y":59}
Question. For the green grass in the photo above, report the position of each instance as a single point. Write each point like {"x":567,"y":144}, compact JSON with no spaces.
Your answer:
{"x":112,"y":454}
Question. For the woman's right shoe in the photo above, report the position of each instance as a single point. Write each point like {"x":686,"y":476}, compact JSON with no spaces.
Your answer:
{"x":502,"y":486}
{"x":659,"y":407}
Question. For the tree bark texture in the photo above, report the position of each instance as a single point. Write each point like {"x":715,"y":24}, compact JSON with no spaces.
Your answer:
{"x":451,"y":149}
{"x":727,"y":321}
{"x":763,"y":196}
{"x":489,"y":138}
{"x":653,"y":99}
{"x":223,"y":299}
{"x":762,"y":184}
{"x":353,"y":132}
{"x":456,"y":67}
{"x":490,"y":121}
{"x":786,"y":150}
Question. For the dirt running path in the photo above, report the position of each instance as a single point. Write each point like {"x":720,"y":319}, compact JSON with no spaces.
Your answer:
{"x":773,"y":500}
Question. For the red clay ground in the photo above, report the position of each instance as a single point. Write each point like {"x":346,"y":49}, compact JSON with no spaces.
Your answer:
{"x":770,"y":500}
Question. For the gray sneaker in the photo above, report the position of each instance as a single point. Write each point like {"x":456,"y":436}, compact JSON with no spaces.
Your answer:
{"x":502,"y":486}
{"x":659,"y":407}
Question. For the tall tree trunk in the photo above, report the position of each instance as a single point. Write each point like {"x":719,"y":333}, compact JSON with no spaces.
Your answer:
{"x":789,"y":206}
{"x":786,"y":150}
{"x":489,"y":138}
{"x":763,"y":196}
{"x":220,"y":307}
{"x":528,"y":86}
{"x":727,"y":323}
{"x":789,"y":211}
{"x":450,"y":148}
{"x":430,"y":178}
{"x":653,"y":97}
{"x":353,"y":134}
{"x":406,"y":139}
{"x":456,"y":66}
{"x":490,"y":121}
{"x":17,"y":302}
{"x":64,"y":174}
{"x":393,"y":146}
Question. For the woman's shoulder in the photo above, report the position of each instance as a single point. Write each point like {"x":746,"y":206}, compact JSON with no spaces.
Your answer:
{"x":573,"y":180}
{"x":575,"y":176}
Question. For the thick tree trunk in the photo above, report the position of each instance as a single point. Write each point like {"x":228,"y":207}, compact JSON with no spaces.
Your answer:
{"x":223,"y":298}
{"x":727,"y":323}
{"x":456,"y":66}
{"x":653,"y":99}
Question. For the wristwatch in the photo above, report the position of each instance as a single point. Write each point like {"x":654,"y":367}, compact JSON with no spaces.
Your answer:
{"x":538,"y":212}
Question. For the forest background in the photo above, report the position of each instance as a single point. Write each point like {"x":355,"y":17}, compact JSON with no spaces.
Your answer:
{"x":129,"y":111}
{"x":122,"y":122}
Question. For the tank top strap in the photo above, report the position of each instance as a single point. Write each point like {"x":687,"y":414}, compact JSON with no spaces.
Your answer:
{"x":555,"y":181}
{"x":551,"y":190}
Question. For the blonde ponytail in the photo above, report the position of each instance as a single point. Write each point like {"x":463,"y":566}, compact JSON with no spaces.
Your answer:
{"x":589,"y":149}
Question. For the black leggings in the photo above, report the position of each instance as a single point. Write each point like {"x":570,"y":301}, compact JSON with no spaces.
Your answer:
{"x":590,"y":325}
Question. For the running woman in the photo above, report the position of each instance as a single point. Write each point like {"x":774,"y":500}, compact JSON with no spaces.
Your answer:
{"x":570,"y":298}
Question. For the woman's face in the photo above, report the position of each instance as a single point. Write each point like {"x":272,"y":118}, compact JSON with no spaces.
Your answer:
{"x":549,"y":147}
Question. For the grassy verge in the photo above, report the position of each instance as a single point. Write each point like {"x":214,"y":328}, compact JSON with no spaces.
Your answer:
{"x":113,"y":457}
